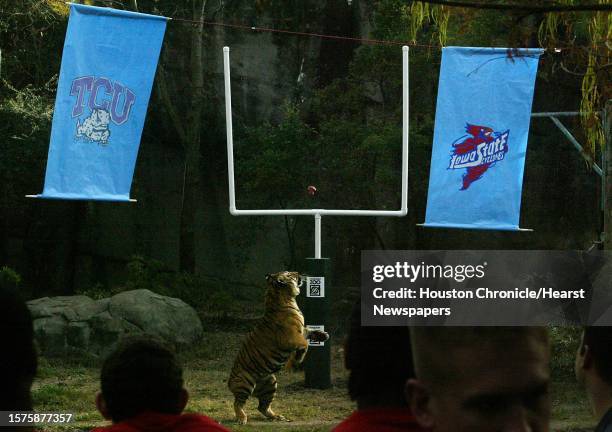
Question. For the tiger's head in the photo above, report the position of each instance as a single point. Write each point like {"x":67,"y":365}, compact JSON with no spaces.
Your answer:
{"x":286,"y":282}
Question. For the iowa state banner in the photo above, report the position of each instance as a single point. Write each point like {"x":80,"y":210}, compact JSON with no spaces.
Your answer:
{"x":480,"y":137}
{"x":108,"y":65}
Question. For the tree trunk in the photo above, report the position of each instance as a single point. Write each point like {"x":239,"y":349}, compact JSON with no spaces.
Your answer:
{"x":200,"y":210}
{"x":192,"y":190}
{"x":79,"y":211}
{"x":187,"y":235}
{"x":214,"y":257}
{"x":607,"y":216}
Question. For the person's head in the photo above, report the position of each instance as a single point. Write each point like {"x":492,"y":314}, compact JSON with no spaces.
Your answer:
{"x":18,"y":360}
{"x":594,"y":357}
{"x":140,"y":375}
{"x":379,"y":360}
{"x":481,"y":379}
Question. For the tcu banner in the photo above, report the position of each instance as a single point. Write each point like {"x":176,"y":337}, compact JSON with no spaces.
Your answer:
{"x":480,"y":137}
{"x":107,"y":71}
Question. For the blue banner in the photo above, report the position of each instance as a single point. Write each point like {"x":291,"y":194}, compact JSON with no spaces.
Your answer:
{"x":108,"y":65}
{"x":480,"y":137}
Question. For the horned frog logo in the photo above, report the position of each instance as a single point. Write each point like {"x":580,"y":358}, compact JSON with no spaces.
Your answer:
{"x":95,"y":127}
{"x":109,"y":103}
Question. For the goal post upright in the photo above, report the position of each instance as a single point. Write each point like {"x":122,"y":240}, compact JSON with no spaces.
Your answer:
{"x":315,"y":299}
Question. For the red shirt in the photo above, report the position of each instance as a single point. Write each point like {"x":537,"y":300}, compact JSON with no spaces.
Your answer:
{"x":157,"y":422}
{"x":380,"y":420}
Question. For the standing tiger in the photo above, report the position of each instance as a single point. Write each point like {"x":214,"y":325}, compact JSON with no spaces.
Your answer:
{"x":279,"y":335}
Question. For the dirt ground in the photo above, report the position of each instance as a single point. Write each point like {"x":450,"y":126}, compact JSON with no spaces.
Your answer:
{"x":70,"y":385}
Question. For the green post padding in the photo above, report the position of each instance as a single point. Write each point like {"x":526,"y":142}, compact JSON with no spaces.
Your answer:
{"x":317,"y":364}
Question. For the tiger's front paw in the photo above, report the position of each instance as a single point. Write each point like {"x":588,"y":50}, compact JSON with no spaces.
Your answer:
{"x":318,"y":336}
{"x":291,"y":364}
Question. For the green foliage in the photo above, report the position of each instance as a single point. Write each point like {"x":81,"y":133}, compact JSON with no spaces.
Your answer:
{"x":9,"y":278}
{"x":422,"y":13}
{"x":345,"y":140}
{"x":25,"y":121}
{"x":596,"y":80}
{"x":586,"y":41}
{"x":31,"y":35}
{"x":564,"y":344}
{"x":207,"y":294}
{"x":215,"y":299}
{"x":345,"y":137}
{"x":277,"y":160}
{"x":33,"y":106}
{"x":99,"y":291}
{"x":146,"y":274}
{"x":155,"y":276}
{"x":29,"y":31}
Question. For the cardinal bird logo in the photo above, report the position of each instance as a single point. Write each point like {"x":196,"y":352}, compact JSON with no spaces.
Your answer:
{"x":477,"y":151}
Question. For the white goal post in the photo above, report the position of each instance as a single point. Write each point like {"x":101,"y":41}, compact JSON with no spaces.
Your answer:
{"x":317,"y":213}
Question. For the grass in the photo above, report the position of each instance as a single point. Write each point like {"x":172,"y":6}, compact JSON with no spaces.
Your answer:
{"x":570,"y":408}
{"x":72,"y":388}
{"x":70,"y":384}
{"x":67,"y":386}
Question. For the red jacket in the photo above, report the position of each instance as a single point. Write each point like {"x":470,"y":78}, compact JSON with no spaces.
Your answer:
{"x":157,"y":422}
{"x":380,"y":420}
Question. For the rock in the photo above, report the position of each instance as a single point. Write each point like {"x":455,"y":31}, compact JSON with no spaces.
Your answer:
{"x":68,"y":323}
{"x":77,"y":335}
{"x":86,"y":310}
{"x":73,"y":308}
{"x":169,"y":318}
{"x":107,"y":331}
{"x":50,"y":333}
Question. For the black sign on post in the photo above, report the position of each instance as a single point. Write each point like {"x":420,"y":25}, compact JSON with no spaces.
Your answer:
{"x":314,"y":302}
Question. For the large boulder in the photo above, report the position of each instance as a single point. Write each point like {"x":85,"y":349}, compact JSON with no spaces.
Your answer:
{"x":173,"y":319}
{"x":78,"y":323}
{"x":72,"y":308}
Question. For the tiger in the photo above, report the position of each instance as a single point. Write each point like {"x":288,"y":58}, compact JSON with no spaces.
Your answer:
{"x":279,"y":337}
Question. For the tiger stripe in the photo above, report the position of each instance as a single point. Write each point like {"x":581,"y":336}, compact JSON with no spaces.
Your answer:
{"x":267,"y":348}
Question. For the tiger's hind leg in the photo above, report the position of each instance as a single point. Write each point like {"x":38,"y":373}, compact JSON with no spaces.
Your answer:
{"x":241,"y":416}
{"x":265,"y":391}
{"x":242,"y":389}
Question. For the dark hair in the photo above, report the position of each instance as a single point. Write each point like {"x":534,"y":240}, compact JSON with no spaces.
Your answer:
{"x":436,"y":349}
{"x":18,"y":360}
{"x":141,"y":375}
{"x":379,"y":360}
{"x":599,"y":341}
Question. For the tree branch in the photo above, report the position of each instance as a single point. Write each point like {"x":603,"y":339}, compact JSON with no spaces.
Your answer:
{"x":521,"y":7}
